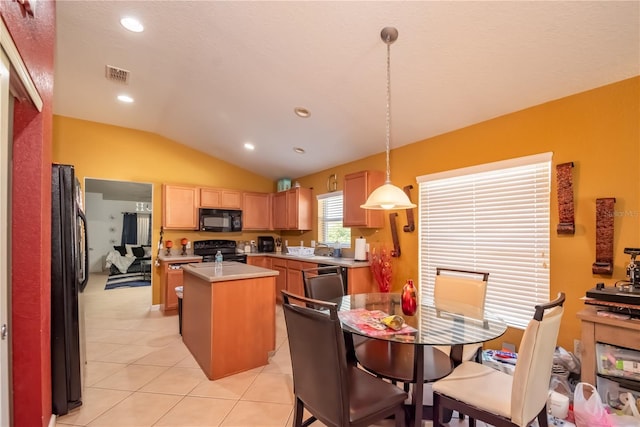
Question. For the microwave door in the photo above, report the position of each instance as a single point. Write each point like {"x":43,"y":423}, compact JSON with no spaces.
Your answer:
{"x":215,"y":223}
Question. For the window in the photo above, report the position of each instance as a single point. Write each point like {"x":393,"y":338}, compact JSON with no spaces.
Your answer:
{"x":491,"y":218}
{"x":330,"y":229}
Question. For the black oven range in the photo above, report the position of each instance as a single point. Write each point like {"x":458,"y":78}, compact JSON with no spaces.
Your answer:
{"x":207,"y":250}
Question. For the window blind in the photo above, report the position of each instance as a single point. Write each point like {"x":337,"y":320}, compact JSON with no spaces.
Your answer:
{"x":330,"y":229}
{"x":492,"y":218}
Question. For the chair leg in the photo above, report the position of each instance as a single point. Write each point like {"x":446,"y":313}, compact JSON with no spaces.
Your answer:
{"x":297,"y":413}
{"x":542,"y":417}
{"x":400,"y":417}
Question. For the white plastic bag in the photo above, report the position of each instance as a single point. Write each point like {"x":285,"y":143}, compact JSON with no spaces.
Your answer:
{"x":631,"y":416}
{"x":589,"y":411}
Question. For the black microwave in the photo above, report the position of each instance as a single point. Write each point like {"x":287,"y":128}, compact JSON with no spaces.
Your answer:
{"x":220,"y":220}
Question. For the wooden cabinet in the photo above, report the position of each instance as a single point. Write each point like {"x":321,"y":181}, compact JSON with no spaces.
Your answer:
{"x":360,"y":281}
{"x":279,"y":210}
{"x":295,"y":284}
{"x":256,"y":211}
{"x":180,"y":207}
{"x":292,"y":209}
{"x":220,"y":198}
{"x":170,"y":278}
{"x":356,"y":190}
{"x":280,"y":265}
{"x":259,"y":261}
{"x":606,"y":330}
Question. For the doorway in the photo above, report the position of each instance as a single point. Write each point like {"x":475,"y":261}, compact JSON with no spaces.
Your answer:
{"x":107,"y":204}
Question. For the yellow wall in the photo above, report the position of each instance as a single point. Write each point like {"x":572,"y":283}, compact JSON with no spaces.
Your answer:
{"x":110,"y":152}
{"x":598,"y":130}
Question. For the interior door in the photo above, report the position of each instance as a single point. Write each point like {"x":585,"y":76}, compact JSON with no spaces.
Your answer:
{"x":6,"y":114}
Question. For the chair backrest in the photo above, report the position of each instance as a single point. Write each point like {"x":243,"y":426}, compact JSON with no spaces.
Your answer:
{"x":318,"y":357}
{"x":460,"y":291}
{"x":323,"y":283}
{"x":535,"y":361}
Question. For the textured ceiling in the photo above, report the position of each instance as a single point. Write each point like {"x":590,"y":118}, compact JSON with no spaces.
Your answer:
{"x":216,"y":74}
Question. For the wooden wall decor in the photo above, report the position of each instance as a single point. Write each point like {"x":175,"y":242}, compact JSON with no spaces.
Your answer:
{"x":410,"y":223}
{"x":566,"y":224}
{"x":395,"y":252}
{"x":604,"y":236}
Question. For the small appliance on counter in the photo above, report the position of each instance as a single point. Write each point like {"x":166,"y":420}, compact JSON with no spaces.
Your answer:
{"x":266,"y":244}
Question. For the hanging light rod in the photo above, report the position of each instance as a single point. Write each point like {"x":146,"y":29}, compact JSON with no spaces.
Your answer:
{"x":388,"y":196}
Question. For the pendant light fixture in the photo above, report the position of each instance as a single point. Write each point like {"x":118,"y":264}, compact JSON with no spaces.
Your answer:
{"x":388,"y":196}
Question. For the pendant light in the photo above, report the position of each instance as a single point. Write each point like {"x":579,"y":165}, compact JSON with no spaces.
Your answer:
{"x":388,"y":196}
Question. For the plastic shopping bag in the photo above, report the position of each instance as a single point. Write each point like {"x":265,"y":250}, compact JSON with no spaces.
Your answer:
{"x":589,"y":411}
{"x":630,"y":416}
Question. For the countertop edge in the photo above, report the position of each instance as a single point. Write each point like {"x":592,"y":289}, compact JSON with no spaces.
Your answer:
{"x":342,"y":262}
{"x":230,"y":271}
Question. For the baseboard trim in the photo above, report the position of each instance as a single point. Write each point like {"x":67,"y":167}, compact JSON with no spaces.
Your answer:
{"x":155,"y":307}
{"x":52,"y":421}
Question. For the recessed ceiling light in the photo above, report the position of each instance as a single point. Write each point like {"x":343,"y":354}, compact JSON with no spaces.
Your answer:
{"x":299,"y":150}
{"x":302,"y":112}
{"x":249,"y":146}
{"x":125,"y":98}
{"x":132,"y":24}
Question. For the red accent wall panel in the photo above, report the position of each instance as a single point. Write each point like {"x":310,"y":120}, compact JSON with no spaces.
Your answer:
{"x":34,"y":37}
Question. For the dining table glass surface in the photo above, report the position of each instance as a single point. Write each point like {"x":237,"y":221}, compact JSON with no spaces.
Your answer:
{"x":428,"y":326}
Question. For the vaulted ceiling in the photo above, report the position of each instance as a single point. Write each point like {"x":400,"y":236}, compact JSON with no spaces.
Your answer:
{"x":214,"y":75}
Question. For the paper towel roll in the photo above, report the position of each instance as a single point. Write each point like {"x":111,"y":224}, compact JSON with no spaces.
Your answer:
{"x":361,"y":249}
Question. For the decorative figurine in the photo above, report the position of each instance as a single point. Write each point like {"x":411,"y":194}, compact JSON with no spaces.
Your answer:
{"x":168,"y":244}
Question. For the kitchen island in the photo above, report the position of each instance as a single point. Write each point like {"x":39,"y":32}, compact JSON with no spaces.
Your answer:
{"x":228,"y":316}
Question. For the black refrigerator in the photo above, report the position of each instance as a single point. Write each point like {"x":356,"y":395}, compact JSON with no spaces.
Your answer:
{"x":69,"y":275}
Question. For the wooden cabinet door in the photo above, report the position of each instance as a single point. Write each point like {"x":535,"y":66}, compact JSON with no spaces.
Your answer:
{"x":220,"y":198}
{"x":174,"y":279}
{"x":259,"y":261}
{"x":294,"y":282}
{"x":280,"y":266}
{"x":299,"y":205}
{"x":180,"y":207}
{"x":360,"y":281}
{"x":280,"y":211}
{"x":357,"y":188}
{"x":256,"y":211}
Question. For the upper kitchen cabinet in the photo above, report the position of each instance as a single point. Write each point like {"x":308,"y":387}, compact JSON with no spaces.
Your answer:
{"x":180,"y":207}
{"x":292,"y":209}
{"x":256,"y":213}
{"x":356,"y":190}
{"x":220,"y":198}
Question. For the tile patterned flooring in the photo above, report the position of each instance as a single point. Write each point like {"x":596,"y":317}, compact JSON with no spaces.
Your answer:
{"x":140,"y":374}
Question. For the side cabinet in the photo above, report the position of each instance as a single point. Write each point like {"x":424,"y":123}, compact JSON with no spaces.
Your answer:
{"x":171,"y":276}
{"x":256,"y":211}
{"x":357,"y":188}
{"x":180,"y":207}
{"x":280,"y":265}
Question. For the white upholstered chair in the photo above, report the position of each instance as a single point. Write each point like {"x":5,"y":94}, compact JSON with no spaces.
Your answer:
{"x":500,"y":399}
{"x":461,"y":292}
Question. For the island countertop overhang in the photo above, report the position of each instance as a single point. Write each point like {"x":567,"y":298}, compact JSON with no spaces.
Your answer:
{"x":230,"y":270}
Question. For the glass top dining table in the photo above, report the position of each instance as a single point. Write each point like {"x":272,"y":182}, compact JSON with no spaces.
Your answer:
{"x":427,"y":327}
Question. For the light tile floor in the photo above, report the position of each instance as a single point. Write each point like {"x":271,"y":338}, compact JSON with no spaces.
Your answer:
{"x":139,"y":373}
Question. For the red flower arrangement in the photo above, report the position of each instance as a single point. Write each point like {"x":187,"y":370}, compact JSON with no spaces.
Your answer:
{"x":380,"y":264}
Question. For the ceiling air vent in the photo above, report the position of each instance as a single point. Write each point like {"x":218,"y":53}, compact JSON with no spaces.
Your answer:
{"x":117,"y":75}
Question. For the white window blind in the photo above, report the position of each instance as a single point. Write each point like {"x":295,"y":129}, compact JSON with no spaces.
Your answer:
{"x":492,"y":218}
{"x":330,"y":229}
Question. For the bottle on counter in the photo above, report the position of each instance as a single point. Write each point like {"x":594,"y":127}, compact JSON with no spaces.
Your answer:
{"x":218,"y":260}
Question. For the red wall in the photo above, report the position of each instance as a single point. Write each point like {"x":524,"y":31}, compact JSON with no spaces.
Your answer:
{"x":31,"y":220}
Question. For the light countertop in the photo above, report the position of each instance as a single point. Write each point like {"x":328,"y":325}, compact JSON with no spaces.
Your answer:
{"x":328,"y":260}
{"x":179,"y":258}
{"x":230,"y":271}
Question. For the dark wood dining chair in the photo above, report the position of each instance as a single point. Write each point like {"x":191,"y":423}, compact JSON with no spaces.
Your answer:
{"x":330,"y":389}
{"x":326,"y":284}
{"x":500,"y":399}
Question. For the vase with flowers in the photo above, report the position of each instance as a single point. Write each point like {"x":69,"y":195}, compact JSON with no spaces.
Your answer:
{"x":380,"y":264}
